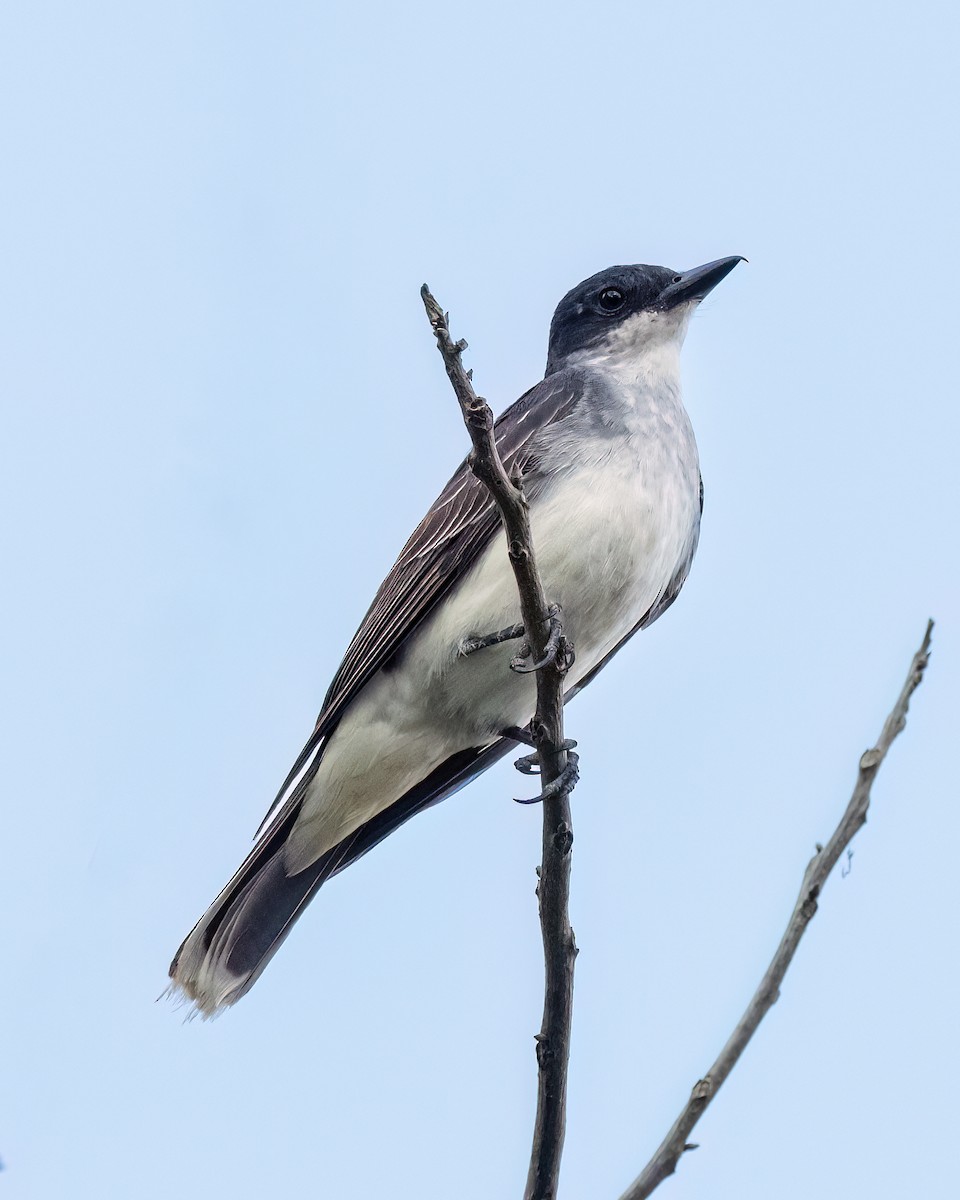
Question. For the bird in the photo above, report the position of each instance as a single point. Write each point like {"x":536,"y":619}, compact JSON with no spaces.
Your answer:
{"x":611,"y":473}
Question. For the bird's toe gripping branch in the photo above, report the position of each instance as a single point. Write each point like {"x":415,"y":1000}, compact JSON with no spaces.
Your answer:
{"x":529,"y":764}
{"x":557,"y":650}
{"x":566,"y":781}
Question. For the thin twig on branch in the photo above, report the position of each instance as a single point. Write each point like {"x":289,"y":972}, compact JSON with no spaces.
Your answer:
{"x":665,"y":1161}
{"x":559,"y":948}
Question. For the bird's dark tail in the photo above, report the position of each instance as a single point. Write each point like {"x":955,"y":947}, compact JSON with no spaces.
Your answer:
{"x":227,"y":950}
{"x":243,"y":928}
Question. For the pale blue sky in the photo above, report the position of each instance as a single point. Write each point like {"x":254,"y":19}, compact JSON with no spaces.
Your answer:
{"x":223,"y":412}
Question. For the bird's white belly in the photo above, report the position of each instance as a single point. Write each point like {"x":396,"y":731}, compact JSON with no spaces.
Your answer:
{"x":605,"y":555}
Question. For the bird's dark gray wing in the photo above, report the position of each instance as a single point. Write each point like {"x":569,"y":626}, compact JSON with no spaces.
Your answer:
{"x":445,"y":544}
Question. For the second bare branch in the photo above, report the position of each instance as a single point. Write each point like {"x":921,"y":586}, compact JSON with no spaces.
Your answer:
{"x":668,"y":1154}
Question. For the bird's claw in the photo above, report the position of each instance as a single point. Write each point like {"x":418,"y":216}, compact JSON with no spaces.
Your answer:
{"x":529,"y":764}
{"x":566,"y":781}
{"x":557,"y":650}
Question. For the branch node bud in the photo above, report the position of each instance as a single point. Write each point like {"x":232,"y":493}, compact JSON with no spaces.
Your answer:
{"x":870,"y":758}
{"x":563,"y":838}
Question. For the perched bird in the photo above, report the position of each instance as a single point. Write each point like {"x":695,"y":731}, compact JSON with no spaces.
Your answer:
{"x":611,"y":472}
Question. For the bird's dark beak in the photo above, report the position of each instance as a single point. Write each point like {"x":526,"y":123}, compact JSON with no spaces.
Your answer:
{"x":695,"y":284}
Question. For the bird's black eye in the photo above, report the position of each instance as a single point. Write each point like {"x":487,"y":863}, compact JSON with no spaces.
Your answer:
{"x":611,"y":299}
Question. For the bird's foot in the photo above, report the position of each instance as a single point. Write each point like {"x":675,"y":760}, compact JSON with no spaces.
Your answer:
{"x":557,"y":650}
{"x":529,"y":764}
{"x":566,"y":781}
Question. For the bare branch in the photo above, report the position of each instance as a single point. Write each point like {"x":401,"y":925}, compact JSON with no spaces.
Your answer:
{"x":665,"y":1161}
{"x":539,"y":622}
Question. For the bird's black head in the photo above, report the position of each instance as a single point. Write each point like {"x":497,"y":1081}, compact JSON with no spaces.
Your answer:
{"x":588,"y":315}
